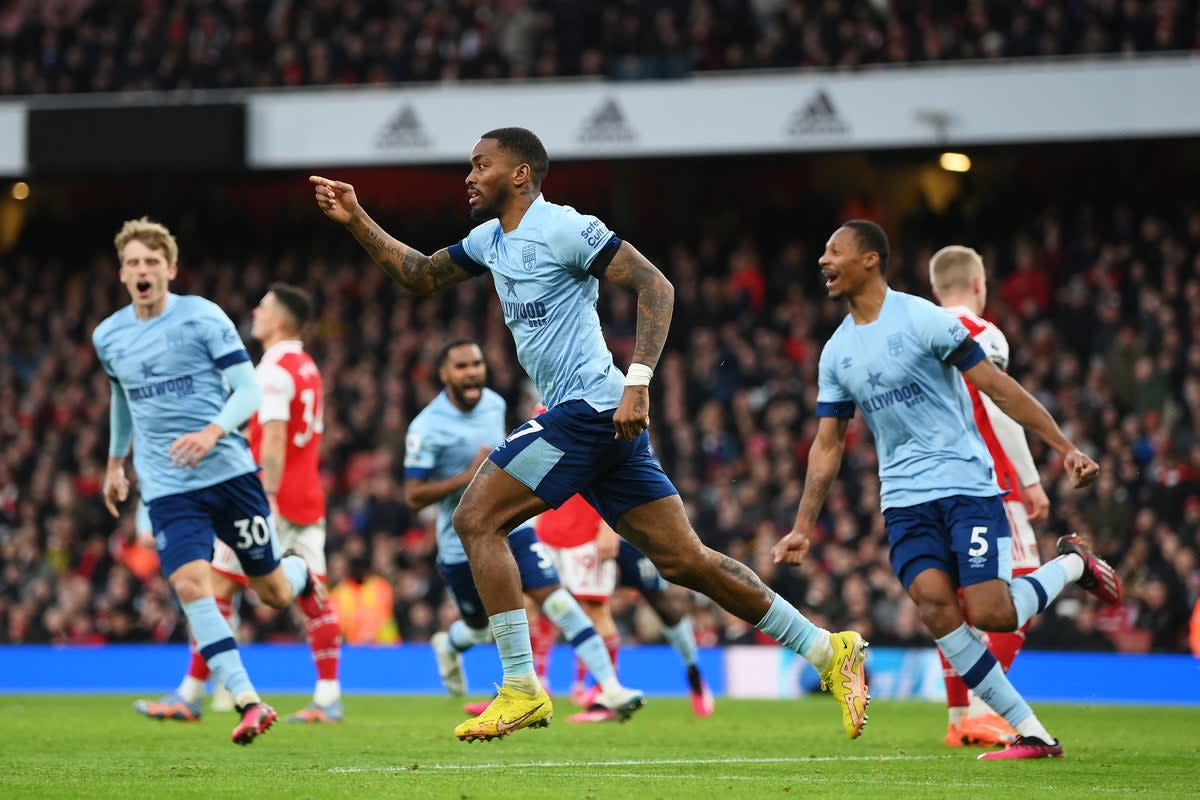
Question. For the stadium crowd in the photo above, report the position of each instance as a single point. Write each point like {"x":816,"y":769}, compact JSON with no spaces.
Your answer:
{"x":1101,"y":306}
{"x":65,"y":46}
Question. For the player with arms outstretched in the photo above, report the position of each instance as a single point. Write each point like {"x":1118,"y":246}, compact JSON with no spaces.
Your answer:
{"x":182,"y":383}
{"x":444,"y":446}
{"x":898,"y":358}
{"x":546,"y":261}
{"x":285,"y":440}
{"x":959,"y":283}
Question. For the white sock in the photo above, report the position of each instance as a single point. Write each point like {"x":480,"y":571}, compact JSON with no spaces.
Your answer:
{"x":976,"y":707}
{"x":1072,"y":564}
{"x":821,"y":651}
{"x":327,"y":692}
{"x":526,"y":684}
{"x":191,"y":689}
{"x":1031,"y":726}
{"x":957,"y":714}
{"x":246,"y":698}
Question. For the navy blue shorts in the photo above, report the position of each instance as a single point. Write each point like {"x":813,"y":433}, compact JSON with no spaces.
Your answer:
{"x":236,"y":511}
{"x":636,"y":571}
{"x":968,"y":538}
{"x":533,"y":562}
{"x":571,"y":448}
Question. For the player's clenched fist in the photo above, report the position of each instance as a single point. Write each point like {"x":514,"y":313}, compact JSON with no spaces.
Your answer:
{"x":1081,"y":468}
{"x":335,"y":198}
{"x":791,"y":548}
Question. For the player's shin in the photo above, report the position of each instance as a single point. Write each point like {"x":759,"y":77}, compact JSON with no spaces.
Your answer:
{"x":982,"y":674}
{"x":564,"y":611}
{"x":510,"y":629}
{"x":215,"y":642}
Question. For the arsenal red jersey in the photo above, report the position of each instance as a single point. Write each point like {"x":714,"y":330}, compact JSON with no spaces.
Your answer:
{"x":573,"y":523}
{"x":995,"y":346}
{"x":292,"y":391}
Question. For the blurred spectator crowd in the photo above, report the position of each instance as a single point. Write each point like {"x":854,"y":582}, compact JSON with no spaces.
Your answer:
{"x":64,"y":46}
{"x":1101,"y":306}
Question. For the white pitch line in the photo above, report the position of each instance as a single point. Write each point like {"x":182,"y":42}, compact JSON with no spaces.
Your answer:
{"x":632,"y":763}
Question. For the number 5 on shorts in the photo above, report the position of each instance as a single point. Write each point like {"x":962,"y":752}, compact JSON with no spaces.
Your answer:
{"x":979,"y":545}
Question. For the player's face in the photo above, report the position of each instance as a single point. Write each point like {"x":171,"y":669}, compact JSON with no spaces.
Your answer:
{"x":147,"y":275}
{"x":267,"y":316}
{"x":464,"y":375}
{"x":489,"y":183}
{"x":842,"y":264}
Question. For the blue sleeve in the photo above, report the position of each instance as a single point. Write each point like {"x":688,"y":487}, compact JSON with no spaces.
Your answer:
{"x":577,"y":240}
{"x":832,"y":398}
{"x":420,"y":453}
{"x":120,"y":423}
{"x":942,"y":332}
{"x":220,"y":336}
{"x":471,"y":253}
{"x":246,"y":397}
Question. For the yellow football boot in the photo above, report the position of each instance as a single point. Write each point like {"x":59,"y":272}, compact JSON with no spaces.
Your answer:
{"x":510,"y":711}
{"x":846,"y":679}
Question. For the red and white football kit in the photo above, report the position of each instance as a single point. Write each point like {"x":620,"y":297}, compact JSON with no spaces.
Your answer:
{"x":1005,"y":440}
{"x":292,"y":392}
{"x":569,"y":533}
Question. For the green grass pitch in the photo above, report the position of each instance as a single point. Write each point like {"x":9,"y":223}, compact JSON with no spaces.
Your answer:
{"x":403,"y":746}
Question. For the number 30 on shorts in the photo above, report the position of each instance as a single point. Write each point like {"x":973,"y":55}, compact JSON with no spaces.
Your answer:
{"x":253,"y":532}
{"x":979,"y":545}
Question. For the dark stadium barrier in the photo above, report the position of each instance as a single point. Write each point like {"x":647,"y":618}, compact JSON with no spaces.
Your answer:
{"x":185,"y":138}
{"x":411,"y":669}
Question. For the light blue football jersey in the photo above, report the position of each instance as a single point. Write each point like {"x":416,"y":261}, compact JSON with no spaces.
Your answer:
{"x":902,"y":371}
{"x":169,"y":368}
{"x":442,"y":441}
{"x":540,"y":270}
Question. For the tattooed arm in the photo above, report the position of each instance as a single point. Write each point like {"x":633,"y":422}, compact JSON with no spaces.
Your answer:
{"x":824,"y":460}
{"x":416,"y":272}
{"x":630,"y":270}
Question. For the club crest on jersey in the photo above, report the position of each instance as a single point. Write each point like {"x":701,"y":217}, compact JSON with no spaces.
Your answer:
{"x":528,"y":257}
{"x":895,"y":344}
{"x":175,"y":339}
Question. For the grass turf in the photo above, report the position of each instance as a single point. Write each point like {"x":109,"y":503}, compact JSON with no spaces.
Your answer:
{"x":403,"y":746}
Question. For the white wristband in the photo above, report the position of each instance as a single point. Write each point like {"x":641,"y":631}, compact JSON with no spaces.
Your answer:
{"x":638,"y":375}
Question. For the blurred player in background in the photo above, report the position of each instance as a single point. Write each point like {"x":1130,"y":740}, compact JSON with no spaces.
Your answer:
{"x":182,"y":384}
{"x":546,"y":261}
{"x":593,"y":561}
{"x":960,"y":285}
{"x":898,"y":358}
{"x":444,"y":447}
{"x":285,"y":440}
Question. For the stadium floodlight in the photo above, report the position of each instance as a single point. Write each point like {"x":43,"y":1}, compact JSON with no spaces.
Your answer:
{"x":955,"y":162}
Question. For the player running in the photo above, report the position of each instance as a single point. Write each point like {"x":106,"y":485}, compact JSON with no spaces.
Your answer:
{"x":182,"y":384}
{"x":285,"y":440}
{"x":960,"y":285}
{"x":546,"y":262}
{"x":444,"y":447}
{"x":898,"y":359}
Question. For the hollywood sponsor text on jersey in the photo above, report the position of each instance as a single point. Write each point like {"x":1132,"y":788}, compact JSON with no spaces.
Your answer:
{"x":533,"y":312}
{"x":180,"y":387}
{"x":910,"y":395}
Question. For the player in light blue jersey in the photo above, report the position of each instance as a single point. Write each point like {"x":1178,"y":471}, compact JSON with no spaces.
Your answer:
{"x":546,"y":263}
{"x":898,"y":358}
{"x":445,"y":445}
{"x":182,"y":383}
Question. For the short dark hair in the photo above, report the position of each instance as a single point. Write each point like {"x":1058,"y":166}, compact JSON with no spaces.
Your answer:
{"x":298,"y":302}
{"x":444,"y":353}
{"x":526,"y":146}
{"x":871,"y":238}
